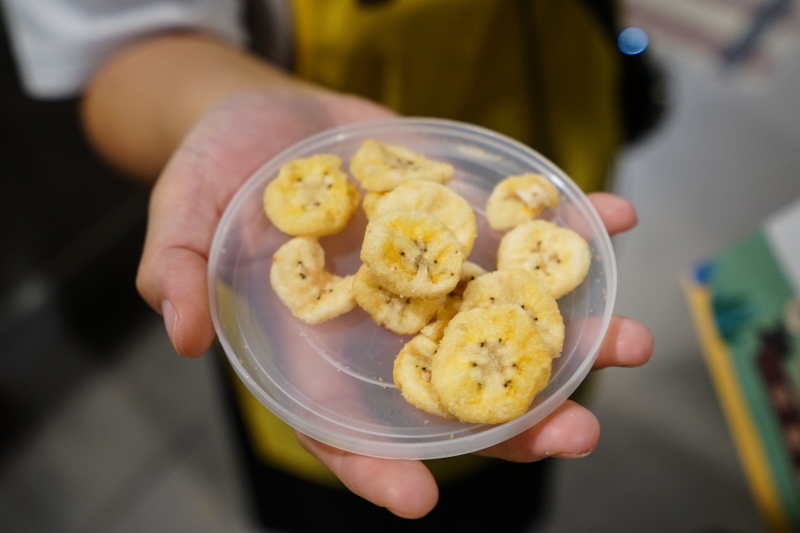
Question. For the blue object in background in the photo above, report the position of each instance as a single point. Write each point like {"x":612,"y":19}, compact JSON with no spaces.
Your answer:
{"x":703,"y":272}
{"x":632,"y":41}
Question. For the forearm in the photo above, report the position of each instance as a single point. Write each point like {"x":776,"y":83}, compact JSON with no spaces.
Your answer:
{"x":141,"y":103}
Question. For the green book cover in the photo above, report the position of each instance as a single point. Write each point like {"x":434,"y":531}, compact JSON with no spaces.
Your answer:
{"x":746,"y":304}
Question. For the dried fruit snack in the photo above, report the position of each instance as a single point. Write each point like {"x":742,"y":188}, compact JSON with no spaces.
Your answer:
{"x":412,"y":375}
{"x":451,"y":303}
{"x":311,"y":197}
{"x":490,"y":364}
{"x":559,"y":257}
{"x":520,"y":287}
{"x":435,"y":199}
{"x":403,"y":315}
{"x":402,"y":284}
{"x":519,"y":198}
{"x":381,"y":167}
{"x":369,"y":202}
{"x":412,"y":254}
{"x":300,"y":280}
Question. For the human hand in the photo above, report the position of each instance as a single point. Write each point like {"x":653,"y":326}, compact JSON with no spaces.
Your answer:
{"x":225,"y":147}
{"x":218,"y":155}
{"x":408,"y":489}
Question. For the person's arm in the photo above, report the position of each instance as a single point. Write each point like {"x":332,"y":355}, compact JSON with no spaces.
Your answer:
{"x":139,"y":106}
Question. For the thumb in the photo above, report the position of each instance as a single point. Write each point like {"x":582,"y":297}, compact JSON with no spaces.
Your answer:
{"x":172,"y":271}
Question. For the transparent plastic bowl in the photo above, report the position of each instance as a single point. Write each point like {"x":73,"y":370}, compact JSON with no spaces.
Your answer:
{"x":333,"y":381}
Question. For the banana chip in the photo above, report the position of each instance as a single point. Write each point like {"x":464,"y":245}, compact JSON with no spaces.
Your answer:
{"x":490,"y":364}
{"x":300,"y":280}
{"x":403,"y":315}
{"x":412,"y":375}
{"x":369,"y":202}
{"x":311,"y":197}
{"x":412,"y":254}
{"x":520,"y":287}
{"x":382,"y":167}
{"x":437,"y":200}
{"x":519,"y":198}
{"x":558,"y":256}
{"x":451,"y":303}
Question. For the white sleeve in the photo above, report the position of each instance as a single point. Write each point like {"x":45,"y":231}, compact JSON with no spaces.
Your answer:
{"x":58,"y":44}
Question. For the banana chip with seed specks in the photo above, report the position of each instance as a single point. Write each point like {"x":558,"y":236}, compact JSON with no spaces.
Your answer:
{"x":403,"y":315}
{"x":412,"y":375}
{"x":437,"y":200}
{"x":311,"y":197}
{"x":382,"y":167}
{"x":559,"y":257}
{"x":490,"y":364}
{"x":451,"y":303}
{"x":299,"y":278}
{"x":520,"y":287}
{"x":519,"y":198}
{"x":412,"y":254}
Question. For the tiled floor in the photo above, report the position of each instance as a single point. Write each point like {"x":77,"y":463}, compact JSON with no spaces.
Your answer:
{"x":126,"y":436}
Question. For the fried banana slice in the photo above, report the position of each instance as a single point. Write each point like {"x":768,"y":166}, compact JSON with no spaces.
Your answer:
{"x":558,"y":256}
{"x":412,"y":375}
{"x":490,"y":364}
{"x":403,"y":315}
{"x":382,"y":167}
{"x":311,"y":197}
{"x":412,"y":254}
{"x":519,"y":198}
{"x":520,"y":287}
{"x":369,"y":202}
{"x":299,"y":278}
{"x":437,"y":200}
{"x":451,"y":303}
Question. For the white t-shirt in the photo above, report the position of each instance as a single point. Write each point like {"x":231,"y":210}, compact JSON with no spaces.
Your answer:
{"x":58,"y":44}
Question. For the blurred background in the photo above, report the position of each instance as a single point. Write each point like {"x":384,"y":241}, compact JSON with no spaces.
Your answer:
{"x":104,"y":428}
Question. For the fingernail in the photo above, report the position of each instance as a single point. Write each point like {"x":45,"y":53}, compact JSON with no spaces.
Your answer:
{"x":571,"y":455}
{"x":170,"y":319}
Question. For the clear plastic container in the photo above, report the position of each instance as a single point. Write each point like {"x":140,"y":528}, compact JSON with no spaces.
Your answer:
{"x":333,"y":381}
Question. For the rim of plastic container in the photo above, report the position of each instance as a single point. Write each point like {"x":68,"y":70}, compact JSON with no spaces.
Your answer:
{"x":485,"y":435}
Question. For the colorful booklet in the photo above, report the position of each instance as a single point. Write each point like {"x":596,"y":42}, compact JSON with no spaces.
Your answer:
{"x":746,"y":308}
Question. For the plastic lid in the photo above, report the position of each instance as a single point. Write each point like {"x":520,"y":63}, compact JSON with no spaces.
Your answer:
{"x":333,"y":381}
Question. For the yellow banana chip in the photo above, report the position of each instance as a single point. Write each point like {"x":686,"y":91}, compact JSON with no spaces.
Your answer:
{"x":311,"y":197}
{"x":519,"y":198}
{"x":369,"y":202}
{"x":403,"y":315}
{"x":437,"y":200}
{"x":382,"y":167}
{"x":520,"y":287}
{"x":451,"y":303}
{"x":490,"y":364}
{"x":559,"y":257}
{"x":299,"y":278}
{"x":412,"y":254}
{"x":412,"y":375}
